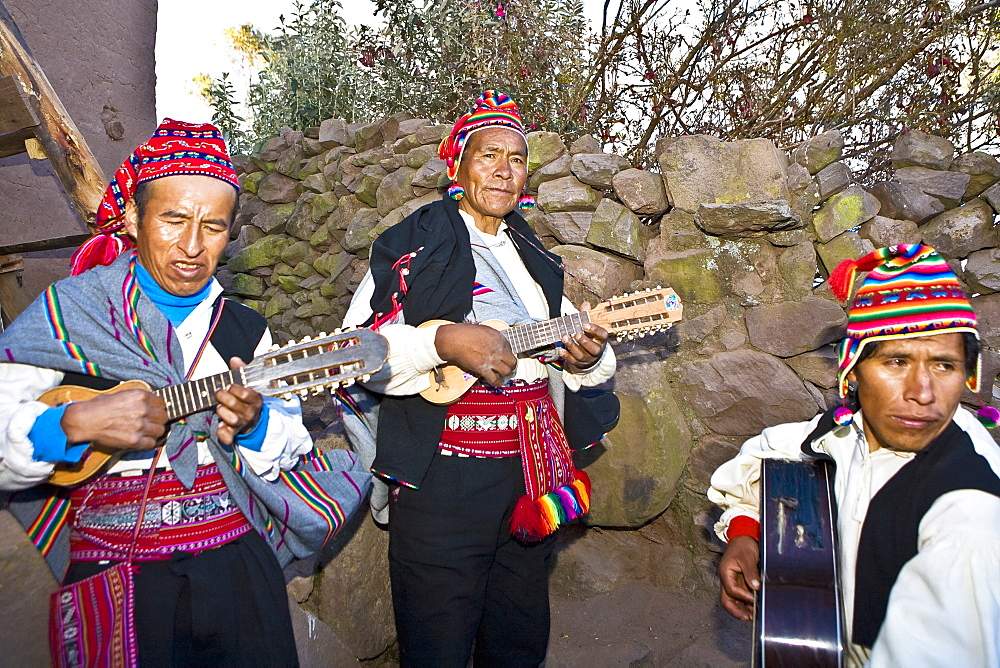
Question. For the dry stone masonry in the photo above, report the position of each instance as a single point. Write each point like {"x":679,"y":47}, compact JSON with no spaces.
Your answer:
{"x":745,"y":234}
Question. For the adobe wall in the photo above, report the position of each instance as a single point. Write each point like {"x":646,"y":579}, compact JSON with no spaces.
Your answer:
{"x":98,"y":55}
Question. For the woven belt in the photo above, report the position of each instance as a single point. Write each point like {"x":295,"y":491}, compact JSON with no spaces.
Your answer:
{"x":103,"y":515}
{"x":485,"y":422}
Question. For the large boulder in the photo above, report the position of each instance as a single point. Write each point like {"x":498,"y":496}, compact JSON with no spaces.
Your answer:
{"x":277,"y":188}
{"x":25,"y":587}
{"x":746,"y":219}
{"x":797,"y":267}
{"x":847,"y":246}
{"x":359,"y":230}
{"x":882,"y":231}
{"x":615,"y":228}
{"x":556,"y":169}
{"x":740,"y":393}
{"x":983,"y":170}
{"x":262,"y":253}
{"x":982,"y":273}
{"x":700,"y":169}
{"x":832,"y":179}
{"x":818,"y":367}
{"x":905,"y":202}
{"x":961,"y":231}
{"x":605,"y":274}
{"x":569,"y":227}
{"x":585,"y":144}
{"x":543,"y":148}
{"x":641,"y":191}
{"x":635,"y":479}
{"x":352,"y":594}
{"x":398,"y":214}
{"x":395,"y":190}
{"x":333,"y":132}
{"x":786,"y":329}
{"x":597,"y":169}
{"x":567,"y":194}
{"x":432,"y":174}
{"x":987,"y":308}
{"x":844,"y":211}
{"x":692,"y":273}
{"x":816,"y":153}
{"x":919,"y":149}
{"x":948,"y":187}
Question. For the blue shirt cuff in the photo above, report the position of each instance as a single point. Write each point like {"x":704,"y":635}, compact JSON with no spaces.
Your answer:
{"x":49,"y":440}
{"x":254,"y":439}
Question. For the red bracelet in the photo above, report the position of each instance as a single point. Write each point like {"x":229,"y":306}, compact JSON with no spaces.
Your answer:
{"x":742,"y":525}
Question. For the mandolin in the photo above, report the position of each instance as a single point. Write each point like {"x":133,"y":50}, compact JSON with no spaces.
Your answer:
{"x":797,"y":619}
{"x":297,"y":368}
{"x":628,"y":316}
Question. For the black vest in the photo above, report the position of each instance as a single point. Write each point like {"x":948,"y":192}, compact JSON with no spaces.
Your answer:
{"x":889,"y":534}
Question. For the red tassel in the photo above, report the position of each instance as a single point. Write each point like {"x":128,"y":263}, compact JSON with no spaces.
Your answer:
{"x":582,"y":476}
{"x":100,"y":249}
{"x":842,"y":280}
{"x":527,"y":522}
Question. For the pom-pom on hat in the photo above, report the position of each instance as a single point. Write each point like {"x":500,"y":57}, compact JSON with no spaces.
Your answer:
{"x":175,"y":148}
{"x":910,"y":291}
{"x":491,"y":109}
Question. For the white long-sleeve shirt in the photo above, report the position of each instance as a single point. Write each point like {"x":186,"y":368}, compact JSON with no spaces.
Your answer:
{"x":412,"y":354}
{"x":944,"y":609}
{"x":285,"y":440}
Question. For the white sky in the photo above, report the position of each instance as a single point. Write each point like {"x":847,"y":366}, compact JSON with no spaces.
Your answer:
{"x":190,"y":41}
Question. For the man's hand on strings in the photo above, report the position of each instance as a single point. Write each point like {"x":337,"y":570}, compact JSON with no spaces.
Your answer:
{"x":239,"y":408}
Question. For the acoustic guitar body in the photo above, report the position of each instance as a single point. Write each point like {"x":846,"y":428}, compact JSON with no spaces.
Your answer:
{"x":96,"y":459}
{"x":797,"y":620}
{"x":450,"y":382}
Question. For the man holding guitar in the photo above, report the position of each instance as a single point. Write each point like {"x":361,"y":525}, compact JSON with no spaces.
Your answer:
{"x":480,"y":485}
{"x":209,"y":589}
{"x":916,"y":486}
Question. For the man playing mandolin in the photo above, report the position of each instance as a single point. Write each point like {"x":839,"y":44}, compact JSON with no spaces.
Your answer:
{"x":209,"y":588}
{"x":916,"y":486}
{"x":479,"y":486}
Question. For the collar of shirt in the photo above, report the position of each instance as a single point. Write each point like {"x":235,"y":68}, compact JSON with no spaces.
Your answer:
{"x":175,"y":307}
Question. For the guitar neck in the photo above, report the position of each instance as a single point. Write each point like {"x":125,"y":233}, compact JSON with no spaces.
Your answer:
{"x":196,"y":395}
{"x":523,"y":338}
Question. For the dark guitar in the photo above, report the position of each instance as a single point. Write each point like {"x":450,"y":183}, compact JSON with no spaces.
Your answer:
{"x":297,"y":368}
{"x":797,"y":618}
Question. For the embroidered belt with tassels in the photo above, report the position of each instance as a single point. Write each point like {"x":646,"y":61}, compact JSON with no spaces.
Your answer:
{"x":103,"y":516}
{"x":502,"y":422}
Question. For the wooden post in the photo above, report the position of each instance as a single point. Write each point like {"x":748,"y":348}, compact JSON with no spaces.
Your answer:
{"x":64,"y":145}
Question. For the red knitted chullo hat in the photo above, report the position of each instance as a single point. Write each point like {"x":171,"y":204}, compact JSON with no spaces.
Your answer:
{"x":175,"y":148}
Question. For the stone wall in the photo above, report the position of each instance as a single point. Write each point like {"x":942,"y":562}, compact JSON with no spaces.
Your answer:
{"x":743,"y":232}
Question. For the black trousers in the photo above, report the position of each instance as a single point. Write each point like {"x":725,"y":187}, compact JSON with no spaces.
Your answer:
{"x":459,"y":579}
{"x":222,"y":607}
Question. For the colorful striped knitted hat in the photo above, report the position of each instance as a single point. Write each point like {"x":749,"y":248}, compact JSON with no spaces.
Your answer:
{"x":491,"y":109}
{"x":175,"y":148}
{"x":910,"y":291}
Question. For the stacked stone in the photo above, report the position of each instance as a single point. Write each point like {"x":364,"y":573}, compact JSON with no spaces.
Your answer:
{"x":313,"y":203}
{"x":745,"y":234}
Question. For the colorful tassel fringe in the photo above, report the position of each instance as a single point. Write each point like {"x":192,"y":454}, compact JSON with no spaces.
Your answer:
{"x":843,"y":416}
{"x":988,"y":416}
{"x":534,"y":519}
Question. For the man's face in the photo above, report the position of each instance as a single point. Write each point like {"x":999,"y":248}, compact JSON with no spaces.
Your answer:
{"x":183,"y":231}
{"x":493,"y":172}
{"x":909,"y":390}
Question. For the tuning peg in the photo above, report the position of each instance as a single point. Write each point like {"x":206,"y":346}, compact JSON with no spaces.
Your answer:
{"x":348,"y":382}
{"x":365,"y":378}
{"x":318,"y":390}
{"x":304,"y":393}
{"x":273,"y":347}
{"x":305,"y":339}
{"x":321,"y":335}
{"x":338,"y":330}
{"x":659,"y":287}
{"x":287,"y":396}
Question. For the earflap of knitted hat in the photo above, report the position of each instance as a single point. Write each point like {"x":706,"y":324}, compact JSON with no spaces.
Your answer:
{"x":491,"y":109}
{"x":910,"y":291}
{"x":175,"y":148}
